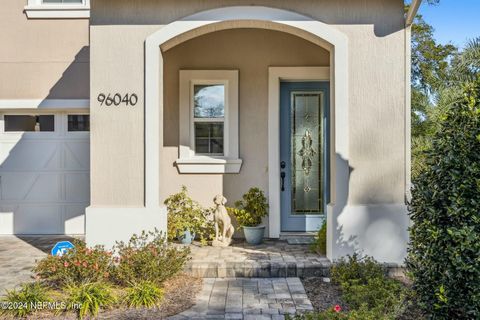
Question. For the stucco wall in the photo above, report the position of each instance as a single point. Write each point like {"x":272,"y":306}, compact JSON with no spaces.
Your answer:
{"x":376,"y":96}
{"x":42,"y":58}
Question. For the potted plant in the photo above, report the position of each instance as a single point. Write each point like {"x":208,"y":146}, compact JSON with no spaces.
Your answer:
{"x":249,"y":213}
{"x":185,"y":217}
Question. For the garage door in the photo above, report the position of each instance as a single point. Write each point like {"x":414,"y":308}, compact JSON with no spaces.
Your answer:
{"x":44,"y":172}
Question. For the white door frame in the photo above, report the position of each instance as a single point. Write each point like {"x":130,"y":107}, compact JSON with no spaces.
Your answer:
{"x":275,"y":76}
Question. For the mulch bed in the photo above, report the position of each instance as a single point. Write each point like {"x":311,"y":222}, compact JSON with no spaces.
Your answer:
{"x":180,"y":293}
{"x":323,"y":295}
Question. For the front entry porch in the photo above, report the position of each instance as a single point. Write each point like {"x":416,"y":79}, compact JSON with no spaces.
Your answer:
{"x":271,"y":259}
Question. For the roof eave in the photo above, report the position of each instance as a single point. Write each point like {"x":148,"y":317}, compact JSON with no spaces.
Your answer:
{"x":412,"y":12}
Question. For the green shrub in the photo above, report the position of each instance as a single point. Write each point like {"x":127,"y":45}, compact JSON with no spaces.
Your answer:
{"x":88,"y":298}
{"x":77,"y":266}
{"x":187,"y":214}
{"x":356,"y":270}
{"x":444,"y":251}
{"x":251,"y":209}
{"x":21,"y":303}
{"x":143,"y":294}
{"x":379,"y":295}
{"x":320,"y":244}
{"x":147,"y":257}
{"x":366,"y":289}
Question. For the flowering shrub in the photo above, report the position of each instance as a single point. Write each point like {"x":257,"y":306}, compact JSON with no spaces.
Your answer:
{"x":147,"y":257}
{"x":78,"y":265}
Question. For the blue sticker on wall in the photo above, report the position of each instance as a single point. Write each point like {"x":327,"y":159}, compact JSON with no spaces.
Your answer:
{"x":61,"y":248}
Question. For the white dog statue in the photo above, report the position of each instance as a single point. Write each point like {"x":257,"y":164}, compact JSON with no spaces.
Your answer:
{"x":223,"y":221}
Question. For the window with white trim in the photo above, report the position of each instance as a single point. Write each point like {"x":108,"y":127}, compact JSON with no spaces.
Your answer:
{"x":208,"y":121}
{"x":208,"y":118}
{"x":58,"y":9}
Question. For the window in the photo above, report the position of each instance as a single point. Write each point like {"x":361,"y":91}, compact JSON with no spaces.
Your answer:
{"x":208,"y":122}
{"x":78,"y":122}
{"x":209,"y":118}
{"x":58,"y":9}
{"x":36,"y":123}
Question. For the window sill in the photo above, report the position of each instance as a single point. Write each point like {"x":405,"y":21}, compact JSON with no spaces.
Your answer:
{"x":57,"y":12}
{"x":208,"y":165}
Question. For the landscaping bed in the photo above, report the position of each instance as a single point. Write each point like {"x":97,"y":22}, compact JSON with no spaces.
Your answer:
{"x":179,"y":296}
{"x":359,"y":289}
{"x":322,"y":295}
{"x":139,"y":279}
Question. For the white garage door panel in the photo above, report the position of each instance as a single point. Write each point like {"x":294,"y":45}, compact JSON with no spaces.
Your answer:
{"x":44,"y":181}
{"x":77,"y":155}
{"x":74,"y":219}
{"x":37,"y":220}
{"x":77,"y":187}
{"x":19,"y":155}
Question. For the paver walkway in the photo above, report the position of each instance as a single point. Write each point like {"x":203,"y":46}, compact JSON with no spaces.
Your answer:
{"x":248,"y":298}
{"x":18,"y":256}
{"x":273,"y":258}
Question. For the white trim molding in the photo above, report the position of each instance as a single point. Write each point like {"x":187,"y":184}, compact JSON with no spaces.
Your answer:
{"x":45,"y":104}
{"x":36,"y":9}
{"x":275,"y":76}
{"x":189,"y":161}
{"x":208,"y":165}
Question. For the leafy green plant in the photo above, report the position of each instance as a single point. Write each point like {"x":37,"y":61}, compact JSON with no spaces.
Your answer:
{"x":320,"y":244}
{"x":363,"y":313}
{"x":88,"y":298}
{"x":444,"y":251}
{"x":21,"y":303}
{"x":356,"y":270}
{"x":147,"y":257}
{"x":77,"y":266}
{"x":186,"y":214}
{"x":143,"y":294}
{"x":251,"y":209}
{"x":366,"y":289}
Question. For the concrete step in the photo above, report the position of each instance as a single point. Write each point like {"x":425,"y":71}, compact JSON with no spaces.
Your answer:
{"x":259,"y":269}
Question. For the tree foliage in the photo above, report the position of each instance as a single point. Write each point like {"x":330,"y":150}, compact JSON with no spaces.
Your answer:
{"x":444,"y":253}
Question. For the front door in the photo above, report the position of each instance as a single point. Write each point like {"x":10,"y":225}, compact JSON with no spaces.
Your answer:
{"x":303,"y":154}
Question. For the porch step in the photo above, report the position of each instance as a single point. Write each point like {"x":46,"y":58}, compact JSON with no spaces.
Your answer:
{"x":253,"y":269}
{"x":295,"y":238}
{"x":272,"y":259}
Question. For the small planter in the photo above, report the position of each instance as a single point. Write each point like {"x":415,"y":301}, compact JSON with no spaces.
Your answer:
{"x":187,"y":237}
{"x":254,"y":235}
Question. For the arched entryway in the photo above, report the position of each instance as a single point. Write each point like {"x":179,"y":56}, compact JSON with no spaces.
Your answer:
{"x":262,"y":18}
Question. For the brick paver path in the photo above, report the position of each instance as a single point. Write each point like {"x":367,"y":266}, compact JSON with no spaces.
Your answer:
{"x":248,"y":298}
{"x":18,"y":255}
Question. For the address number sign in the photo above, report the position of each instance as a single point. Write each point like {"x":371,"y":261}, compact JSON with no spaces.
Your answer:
{"x":117,"y":99}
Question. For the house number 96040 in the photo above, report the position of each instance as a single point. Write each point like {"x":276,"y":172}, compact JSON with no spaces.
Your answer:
{"x":117,"y":99}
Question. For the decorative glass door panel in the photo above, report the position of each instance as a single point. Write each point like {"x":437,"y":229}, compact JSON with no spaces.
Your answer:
{"x":303,"y":150}
{"x":307,"y":149}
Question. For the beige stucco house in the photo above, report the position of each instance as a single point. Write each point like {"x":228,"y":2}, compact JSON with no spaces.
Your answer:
{"x":109,"y":106}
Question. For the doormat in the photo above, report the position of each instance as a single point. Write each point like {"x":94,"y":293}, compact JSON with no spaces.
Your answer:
{"x":300,"y":240}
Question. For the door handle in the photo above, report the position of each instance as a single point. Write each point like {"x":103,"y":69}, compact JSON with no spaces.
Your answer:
{"x":282,"y":175}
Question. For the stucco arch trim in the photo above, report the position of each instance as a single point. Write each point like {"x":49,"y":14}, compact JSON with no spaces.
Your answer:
{"x":176,"y":32}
